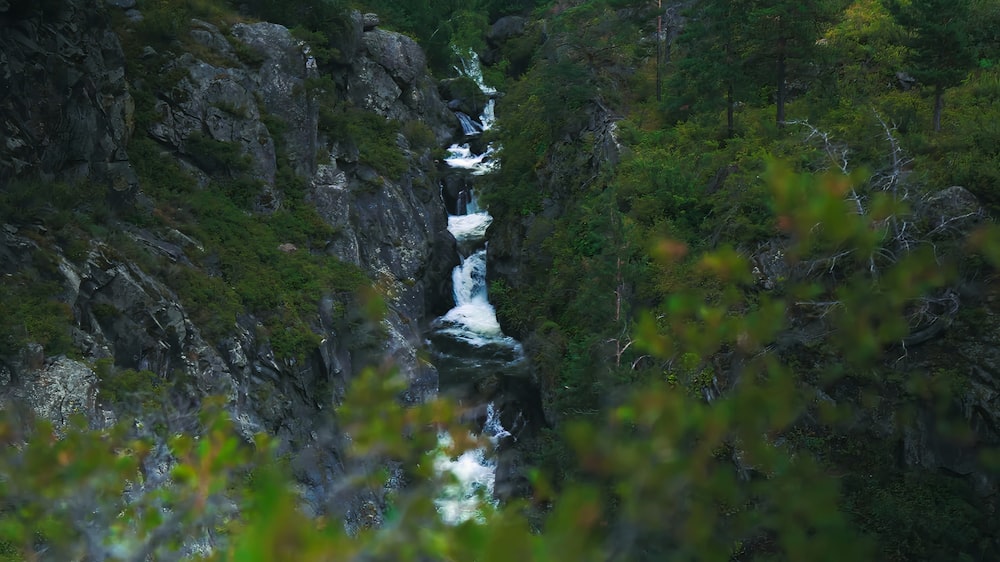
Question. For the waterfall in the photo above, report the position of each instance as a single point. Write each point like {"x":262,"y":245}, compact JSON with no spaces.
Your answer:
{"x":467,"y":343}
{"x":469,"y":67}
{"x":461,"y":156}
{"x":469,"y":126}
{"x":487,"y":118}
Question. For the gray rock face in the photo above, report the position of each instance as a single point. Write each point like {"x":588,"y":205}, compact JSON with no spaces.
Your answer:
{"x":399,"y":55}
{"x":396,"y":231}
{"x":219,"y":103}
{"x":370,"y":21}
{"x":390,"y":78}
{"x":65,"y":109}
{"x":279,"y":83}
{"x":57,"y":389}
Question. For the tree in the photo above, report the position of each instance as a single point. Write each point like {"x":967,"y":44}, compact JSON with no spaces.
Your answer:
{"x":783,"y":32}
{"x":713,"y":39}
{"x":940,"y":47}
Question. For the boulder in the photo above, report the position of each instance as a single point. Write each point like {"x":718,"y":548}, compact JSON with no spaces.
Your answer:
{"x":950,"y":213}
{"x":505,"y":28}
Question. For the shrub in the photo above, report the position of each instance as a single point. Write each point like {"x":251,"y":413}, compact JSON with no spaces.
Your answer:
{"x":375,"y":137}
{"x":216,"y":157}
{"x":32,"y":313}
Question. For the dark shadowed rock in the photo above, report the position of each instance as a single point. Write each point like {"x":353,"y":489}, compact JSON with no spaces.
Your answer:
{"x":65,"y":109}
{"x":505,"y":28}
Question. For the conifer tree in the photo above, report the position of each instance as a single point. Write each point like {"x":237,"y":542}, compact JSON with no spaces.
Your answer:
{"x":715,"y":37}
{"x":782,"y":32}
{"x":940,"y":48}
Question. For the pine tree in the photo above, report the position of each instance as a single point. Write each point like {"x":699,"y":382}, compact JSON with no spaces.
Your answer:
{"x":784,"y":31}
{"x":940,"y":48}
{"x":714,"y":39}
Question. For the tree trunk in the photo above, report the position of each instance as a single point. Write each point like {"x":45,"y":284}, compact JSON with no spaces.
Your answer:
{"x":730,"y":96}
{"x":781,"y":83}
{"x":938,"y":107}
{"x":730,"y":102}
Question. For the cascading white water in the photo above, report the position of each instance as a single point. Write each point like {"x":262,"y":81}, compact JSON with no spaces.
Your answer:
{"x":474,"y":473}
{"x":468,"y":337}
{"x":472,"y":330}
{"x":469,"y":126}
{"x":487,"y":118}
{"x":469,"y":66}
{"x":461,"y":156}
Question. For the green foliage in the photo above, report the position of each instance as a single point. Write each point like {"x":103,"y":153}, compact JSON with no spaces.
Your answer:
{"x":419,"y":136}
{"x":941,"y":54}
{"x":216,"y":156}
{"x":29,"y":200}
{"x":212,"y":303}
{"x":657,"y":471}
{"x":319,"y":46}
{"x":32,"y":313}
{"x":165,"y":21}
{"x":51,"y":478}
{"x":922,"y":517}
{"x":696,"y":416}
{"x":242,"y":267}
{"x":137,"y":392}
{"x":375,"y":137}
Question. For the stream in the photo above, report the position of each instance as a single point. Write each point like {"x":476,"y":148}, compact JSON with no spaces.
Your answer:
{"x":472,"y":354}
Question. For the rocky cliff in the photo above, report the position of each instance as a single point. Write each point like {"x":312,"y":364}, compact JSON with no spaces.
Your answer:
{"x":68,"y":114}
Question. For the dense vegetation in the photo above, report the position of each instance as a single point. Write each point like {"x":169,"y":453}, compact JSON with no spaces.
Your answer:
{"x":850,"y":88}
{"x":704,"y":407}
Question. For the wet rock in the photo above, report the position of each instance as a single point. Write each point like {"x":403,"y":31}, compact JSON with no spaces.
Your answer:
{"x":390,"y":77}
